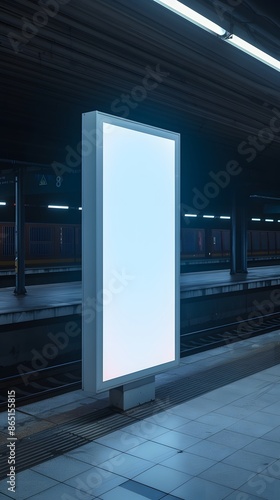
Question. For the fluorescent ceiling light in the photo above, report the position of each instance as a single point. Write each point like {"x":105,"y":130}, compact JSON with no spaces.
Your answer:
{"x":190,"y":215}
{"x":224,"y":217}
{"x":201,"y":21}
{"x":253,"y":51}
{"x":58,"y":206}
{"x":208,"y":216}
{"x":192,"y":16}
{"x":269,"y":220}
{"x":255,"y":219}
{"x":80,"y":208}
{"x":2,"y":203}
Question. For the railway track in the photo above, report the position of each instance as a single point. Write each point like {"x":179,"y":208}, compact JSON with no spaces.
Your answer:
{"x":67,"y":376}
{"x":41,"y":384}
{"x":201,"y":340}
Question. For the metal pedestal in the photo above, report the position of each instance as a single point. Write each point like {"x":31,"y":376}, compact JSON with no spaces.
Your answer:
{"x":133,"y":394}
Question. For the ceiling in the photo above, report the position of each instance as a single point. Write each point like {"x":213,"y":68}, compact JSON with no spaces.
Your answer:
{"x":82,"y":55}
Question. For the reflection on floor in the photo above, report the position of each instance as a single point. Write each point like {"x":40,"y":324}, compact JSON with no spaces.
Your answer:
{"x":224,"y":444}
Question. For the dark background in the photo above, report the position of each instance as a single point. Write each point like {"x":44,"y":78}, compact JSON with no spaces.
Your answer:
{"x":89,"y":54}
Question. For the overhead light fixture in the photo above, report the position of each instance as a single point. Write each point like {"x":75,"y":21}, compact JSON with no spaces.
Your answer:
{"x":254,"y":219}
{"x":253,"y":51}
{"x":264,"y":197}
{"x":192,"y":16}
{"x":190,"y":215}
{"x":3,"y":203}
{"x":208,"y":216}
{"x":269,"y":220}
{"x":204,"y":23}
{"x":62,"y":207}
{"x":80,"y":208}
{"x":224,"y":217}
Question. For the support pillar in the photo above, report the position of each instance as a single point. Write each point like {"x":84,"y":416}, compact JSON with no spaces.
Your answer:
{"x":134,"y":394}
{"x":19,"y":234}
{"x":239,"y":233}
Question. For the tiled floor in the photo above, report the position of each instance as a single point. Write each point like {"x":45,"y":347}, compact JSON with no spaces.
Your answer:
{"x":222,"y":445}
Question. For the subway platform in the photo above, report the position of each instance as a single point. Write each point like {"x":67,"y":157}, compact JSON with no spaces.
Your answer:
{"x":40,"y":302}
{"x":221,"y":281}
{"x":212,"y":433}
{"x":62,"y":299}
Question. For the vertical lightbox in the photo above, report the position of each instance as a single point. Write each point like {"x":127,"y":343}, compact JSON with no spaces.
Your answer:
{"x":130,"y":260}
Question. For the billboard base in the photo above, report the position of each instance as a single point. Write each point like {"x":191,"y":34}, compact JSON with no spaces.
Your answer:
{"x":133,"y":394}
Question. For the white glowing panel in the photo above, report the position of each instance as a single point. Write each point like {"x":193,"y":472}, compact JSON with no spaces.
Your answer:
{"x":134,"y":214}
{"x":137,"y":225}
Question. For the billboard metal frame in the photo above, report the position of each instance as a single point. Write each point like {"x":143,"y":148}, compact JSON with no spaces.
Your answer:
{"x":94,"y":125}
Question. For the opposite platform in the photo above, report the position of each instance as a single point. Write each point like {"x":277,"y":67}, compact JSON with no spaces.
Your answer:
{"x":63,"y":299}
{"x":221,"y":281}
{"x":40,"y":302}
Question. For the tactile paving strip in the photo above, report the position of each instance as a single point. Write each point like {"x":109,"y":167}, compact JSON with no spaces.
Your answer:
{"x":68,"y":436}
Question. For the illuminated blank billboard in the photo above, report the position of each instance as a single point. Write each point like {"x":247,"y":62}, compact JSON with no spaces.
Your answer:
{"x":130,"y":250}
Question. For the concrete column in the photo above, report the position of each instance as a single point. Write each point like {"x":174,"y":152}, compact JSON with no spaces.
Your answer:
{"x":19,"y":234}
{"x":239,"y":232}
